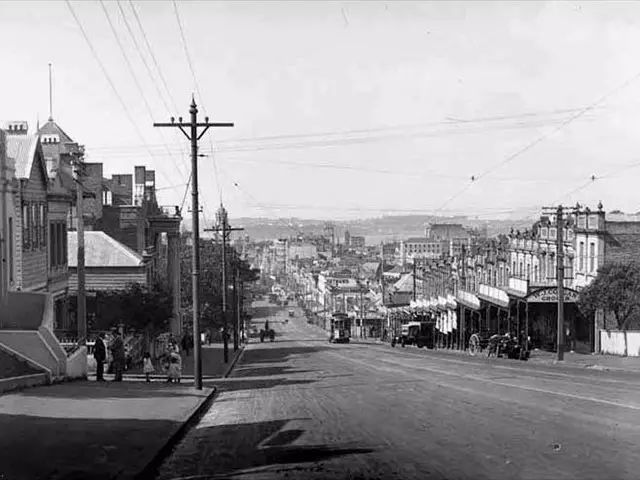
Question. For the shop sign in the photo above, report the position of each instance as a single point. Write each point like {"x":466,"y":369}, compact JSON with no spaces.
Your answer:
{"x":550,"y":295}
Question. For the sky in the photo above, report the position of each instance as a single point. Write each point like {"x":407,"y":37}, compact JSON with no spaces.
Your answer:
{"x":344,"y":110}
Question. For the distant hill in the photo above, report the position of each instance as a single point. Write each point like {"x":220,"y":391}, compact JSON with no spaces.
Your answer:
{"x":375,"y":230}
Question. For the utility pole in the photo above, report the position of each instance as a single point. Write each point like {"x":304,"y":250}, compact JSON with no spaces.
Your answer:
{"x":224,"y":227}
{"x":193,"y":137}
{"x":81,"y":310}
{"x":414,"y":278}
{"x":560,"y":280}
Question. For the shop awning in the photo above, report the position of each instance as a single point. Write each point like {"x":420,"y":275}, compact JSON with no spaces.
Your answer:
{"x":468,"y":299}
{"x":493,"y":295}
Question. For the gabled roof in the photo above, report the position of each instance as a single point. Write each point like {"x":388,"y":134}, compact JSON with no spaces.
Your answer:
{"x":22,"y":149}
{"x":52,"y":127}
{"x":101,"y":250}
{"x":405,"y":284}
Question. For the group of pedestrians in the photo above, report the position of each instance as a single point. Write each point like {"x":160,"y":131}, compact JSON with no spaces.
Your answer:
{"x":171,"y":361}
{"x":117,"y":353}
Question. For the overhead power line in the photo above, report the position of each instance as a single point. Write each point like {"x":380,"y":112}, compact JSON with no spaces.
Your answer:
{"x":152,"y":55}
{"x":197,"y":88}
{"x":110,"y":81}
{"x":135,"y":79}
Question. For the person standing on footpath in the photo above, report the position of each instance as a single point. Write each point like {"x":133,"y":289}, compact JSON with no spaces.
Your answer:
{"x":186,"y":344}
{"x":117,"y":350}
{"x":100,"y":355}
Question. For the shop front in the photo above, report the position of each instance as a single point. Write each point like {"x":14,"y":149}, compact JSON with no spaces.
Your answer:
{"x":542,"y":308}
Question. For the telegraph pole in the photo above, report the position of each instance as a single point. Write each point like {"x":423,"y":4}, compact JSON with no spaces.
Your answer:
{"x":81,"y":310}
{"x":560,"y":281}
{"x":193,"y":137}
{"x":414,"y":278}
{"x":224,"y":227}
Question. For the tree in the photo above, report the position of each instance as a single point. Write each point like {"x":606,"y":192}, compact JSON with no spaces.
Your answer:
{"x":138,"y":307}
{"x":616,"y":289}
{"x":210,"y":280}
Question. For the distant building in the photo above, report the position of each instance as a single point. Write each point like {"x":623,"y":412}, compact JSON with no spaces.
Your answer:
{"x":419,"y":247}
{"x":357,"y":242}
{"x":302,"y":251}
{"x":454,"y":234}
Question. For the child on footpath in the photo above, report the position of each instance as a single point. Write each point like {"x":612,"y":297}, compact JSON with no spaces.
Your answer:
{"x":147,"y":366}
{"x":175,"y":367}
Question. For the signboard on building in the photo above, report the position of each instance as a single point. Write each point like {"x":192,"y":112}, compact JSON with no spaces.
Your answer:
{"x":550,"y":295}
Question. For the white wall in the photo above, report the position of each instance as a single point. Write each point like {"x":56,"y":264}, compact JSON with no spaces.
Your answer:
{"x":612,"y":342}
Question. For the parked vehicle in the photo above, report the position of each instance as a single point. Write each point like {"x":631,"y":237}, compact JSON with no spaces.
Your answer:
{"x":499,"y":345}
{"x":292,"y":313}
{"x":340,"y":328}
{"x":420,"y":334}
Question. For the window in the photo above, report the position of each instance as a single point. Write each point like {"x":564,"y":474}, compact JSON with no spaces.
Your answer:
{"x":552,"y":266}
{"x":528,"y":271}
{"x":581,"y":257}
{"x":10,"y":238}
{"x":26,"y":224}
{"x":35,"y":227}
{"x":592,"y":256}
{"x":43,"y":226}
{"x":552,"y":233}
{"x":57,"y":245}
{"x":544,"y":232}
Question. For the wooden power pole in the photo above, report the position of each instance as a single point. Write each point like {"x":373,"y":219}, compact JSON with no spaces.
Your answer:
{"x":81,"y":302}
{"x":193,"y":137}
{"x":224,"y":227}
{"x":560,"y":280}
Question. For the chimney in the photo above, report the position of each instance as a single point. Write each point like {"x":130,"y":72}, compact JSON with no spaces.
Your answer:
{"x":139,"y":184}
{"x":17,"y":128}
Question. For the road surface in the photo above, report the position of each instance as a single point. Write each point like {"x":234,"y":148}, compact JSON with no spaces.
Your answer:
{"x":303,"y":408}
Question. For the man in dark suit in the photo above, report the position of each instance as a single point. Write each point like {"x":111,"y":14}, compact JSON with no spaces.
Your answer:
{"x":100,"y":354}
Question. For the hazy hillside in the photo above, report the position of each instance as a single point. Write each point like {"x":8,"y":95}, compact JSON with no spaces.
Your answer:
{"x":386,"y":228}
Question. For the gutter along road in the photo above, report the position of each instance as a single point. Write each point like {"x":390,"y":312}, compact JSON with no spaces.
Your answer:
{"x":303,"y":408}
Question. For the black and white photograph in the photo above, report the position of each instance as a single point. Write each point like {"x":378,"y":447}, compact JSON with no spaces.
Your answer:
{"x":326,"y":240}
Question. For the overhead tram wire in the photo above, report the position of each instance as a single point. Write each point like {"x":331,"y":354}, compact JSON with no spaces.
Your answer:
{"x":110,"y":81}
{"x":543,"y":137}
{"x":329,"y":139}
{"x":197,"y":87}
{"x":136,"y":82}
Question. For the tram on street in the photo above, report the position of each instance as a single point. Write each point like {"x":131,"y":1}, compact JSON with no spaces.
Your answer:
{"x":340,"y":328}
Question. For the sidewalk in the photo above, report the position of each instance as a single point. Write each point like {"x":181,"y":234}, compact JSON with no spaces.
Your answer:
{"x":85,"y":429}
{"x":92,"y":430}
{"x":541,"y":357}
{"x":593,"y":361}
{"x":213,"y":365}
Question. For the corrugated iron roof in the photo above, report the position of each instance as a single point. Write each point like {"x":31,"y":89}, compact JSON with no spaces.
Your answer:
{"x":101,"y":250}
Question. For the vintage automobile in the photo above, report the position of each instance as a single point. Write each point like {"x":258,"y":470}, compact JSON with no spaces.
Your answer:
{"x":340,"y":328}
{"x":420,"y":334}
{"x":292,"y":313}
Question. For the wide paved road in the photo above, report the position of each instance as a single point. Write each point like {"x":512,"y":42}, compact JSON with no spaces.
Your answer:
{"x":303,"y":408}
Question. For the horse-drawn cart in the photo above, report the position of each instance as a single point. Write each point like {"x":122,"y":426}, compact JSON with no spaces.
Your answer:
{"x":499,"y":345}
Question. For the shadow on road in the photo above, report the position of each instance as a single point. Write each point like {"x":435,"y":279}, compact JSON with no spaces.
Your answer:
{"x":229,"y":449}
{"x":277,"y":354}
{"x":231,"y":385}
{"x":241,"y":372}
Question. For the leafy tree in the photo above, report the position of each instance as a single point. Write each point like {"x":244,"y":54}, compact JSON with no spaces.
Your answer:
{"x":210,"y":280}
{"x":616,"y":289}
{"x":146,"y":309}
